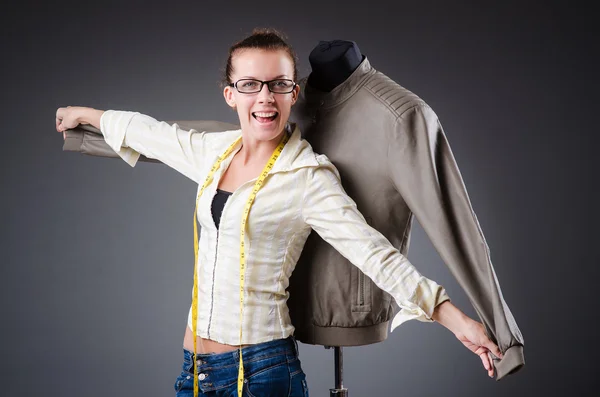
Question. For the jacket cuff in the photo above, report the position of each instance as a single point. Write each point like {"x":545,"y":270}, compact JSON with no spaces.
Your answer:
{"x":512,"y":360}
{"x":73,"y":141}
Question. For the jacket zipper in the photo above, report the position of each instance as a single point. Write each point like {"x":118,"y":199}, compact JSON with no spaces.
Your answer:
{"x":361,"y":288}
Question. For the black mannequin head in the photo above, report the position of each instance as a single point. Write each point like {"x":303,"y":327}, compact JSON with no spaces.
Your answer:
{"x":332,"y":62}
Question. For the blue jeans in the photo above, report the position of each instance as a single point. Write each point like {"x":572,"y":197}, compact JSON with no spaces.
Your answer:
{"x":270,"y":369}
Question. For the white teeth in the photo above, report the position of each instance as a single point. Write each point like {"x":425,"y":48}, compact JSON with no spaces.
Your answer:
{"x":265,"y":114}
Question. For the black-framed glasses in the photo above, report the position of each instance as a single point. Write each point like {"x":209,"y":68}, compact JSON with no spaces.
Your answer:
{"x":252,"y":86}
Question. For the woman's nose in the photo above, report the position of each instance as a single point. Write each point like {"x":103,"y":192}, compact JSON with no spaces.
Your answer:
{"x":264,"y":95}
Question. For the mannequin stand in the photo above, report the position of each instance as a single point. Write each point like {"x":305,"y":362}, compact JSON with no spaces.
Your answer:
{"x":339,"y":390}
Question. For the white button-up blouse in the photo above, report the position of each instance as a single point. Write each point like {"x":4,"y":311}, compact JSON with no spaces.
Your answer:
{"x":301,"y":192}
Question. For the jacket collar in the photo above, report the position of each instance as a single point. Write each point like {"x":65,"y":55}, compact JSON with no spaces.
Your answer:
{"x":342,"y":92}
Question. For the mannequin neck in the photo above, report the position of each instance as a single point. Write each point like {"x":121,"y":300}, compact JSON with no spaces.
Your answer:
{"x":332,"y":62}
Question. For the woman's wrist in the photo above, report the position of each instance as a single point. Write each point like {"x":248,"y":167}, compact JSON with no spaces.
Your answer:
{"x":449,"y":316}
{"x":87,"y":115}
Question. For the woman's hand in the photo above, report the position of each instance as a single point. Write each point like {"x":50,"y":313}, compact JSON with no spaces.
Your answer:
{"x":474,"y":338}
{"x":469,"y":332}
{"x":66,"y":118}
{"x":72,"y":116}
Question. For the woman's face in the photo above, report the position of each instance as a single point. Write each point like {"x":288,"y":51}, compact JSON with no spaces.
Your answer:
{"x":263,"y":114}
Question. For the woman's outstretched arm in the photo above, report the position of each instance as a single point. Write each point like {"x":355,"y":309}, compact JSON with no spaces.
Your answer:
{"x":130,"y":134}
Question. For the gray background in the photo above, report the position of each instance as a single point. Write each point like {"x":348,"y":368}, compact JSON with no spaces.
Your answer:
{"x":95,"y":278}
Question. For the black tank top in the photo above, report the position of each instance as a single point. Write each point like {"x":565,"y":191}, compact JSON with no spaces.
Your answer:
{"x":218,"y":204}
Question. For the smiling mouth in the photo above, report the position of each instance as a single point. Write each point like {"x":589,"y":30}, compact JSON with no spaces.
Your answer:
{"x":265,"y":117}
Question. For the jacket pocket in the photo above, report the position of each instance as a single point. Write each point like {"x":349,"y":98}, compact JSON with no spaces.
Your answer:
{"x":361,"y":285}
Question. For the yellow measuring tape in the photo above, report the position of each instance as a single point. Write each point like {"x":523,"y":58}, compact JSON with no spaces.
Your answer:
{"x":255,"y":189}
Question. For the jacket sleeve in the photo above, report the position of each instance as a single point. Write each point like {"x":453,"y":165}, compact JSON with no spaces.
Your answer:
{"x":334,"y":216}
{"x":89,"y":140}
{"x":423,"y":169}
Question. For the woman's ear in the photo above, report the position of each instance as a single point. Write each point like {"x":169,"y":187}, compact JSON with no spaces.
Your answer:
{"x":229,"y":97}
{"x":295,"y":94}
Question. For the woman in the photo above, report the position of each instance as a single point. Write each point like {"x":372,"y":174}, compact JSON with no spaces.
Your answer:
{"x":262,"y":189}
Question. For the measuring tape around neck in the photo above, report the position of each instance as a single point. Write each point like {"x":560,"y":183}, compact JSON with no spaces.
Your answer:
{"x":257,"y":185}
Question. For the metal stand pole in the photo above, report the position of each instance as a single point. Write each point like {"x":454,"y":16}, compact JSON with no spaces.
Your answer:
{"x":339,"y":390}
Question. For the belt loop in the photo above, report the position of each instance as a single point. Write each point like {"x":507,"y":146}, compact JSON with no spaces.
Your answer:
{"x":295,"y":345}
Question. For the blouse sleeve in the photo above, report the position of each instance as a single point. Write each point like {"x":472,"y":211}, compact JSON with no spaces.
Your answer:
{"x":334,"y":216}
{"x":130,"y":134}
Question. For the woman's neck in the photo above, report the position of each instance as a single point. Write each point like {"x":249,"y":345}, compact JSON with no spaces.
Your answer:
{"x":254,"y":151}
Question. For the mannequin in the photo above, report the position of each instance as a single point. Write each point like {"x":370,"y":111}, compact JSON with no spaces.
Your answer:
{"x":395,"y":162}
{"x":332,"y":62}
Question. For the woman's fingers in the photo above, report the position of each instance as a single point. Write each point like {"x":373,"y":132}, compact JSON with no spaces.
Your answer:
{"x":59,"y":119}
{"x":63,"y":120}
{"x":485,"y":360}
{"x":486,"y":342}
{"x":490,"y":346}
{"x":487,"y":363}
{"x":483,"y":346}
{"x":493,"y":348}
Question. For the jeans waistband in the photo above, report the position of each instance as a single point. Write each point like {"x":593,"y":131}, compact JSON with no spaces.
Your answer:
{"x":288,"y":345}
{"x":220,"y":370}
